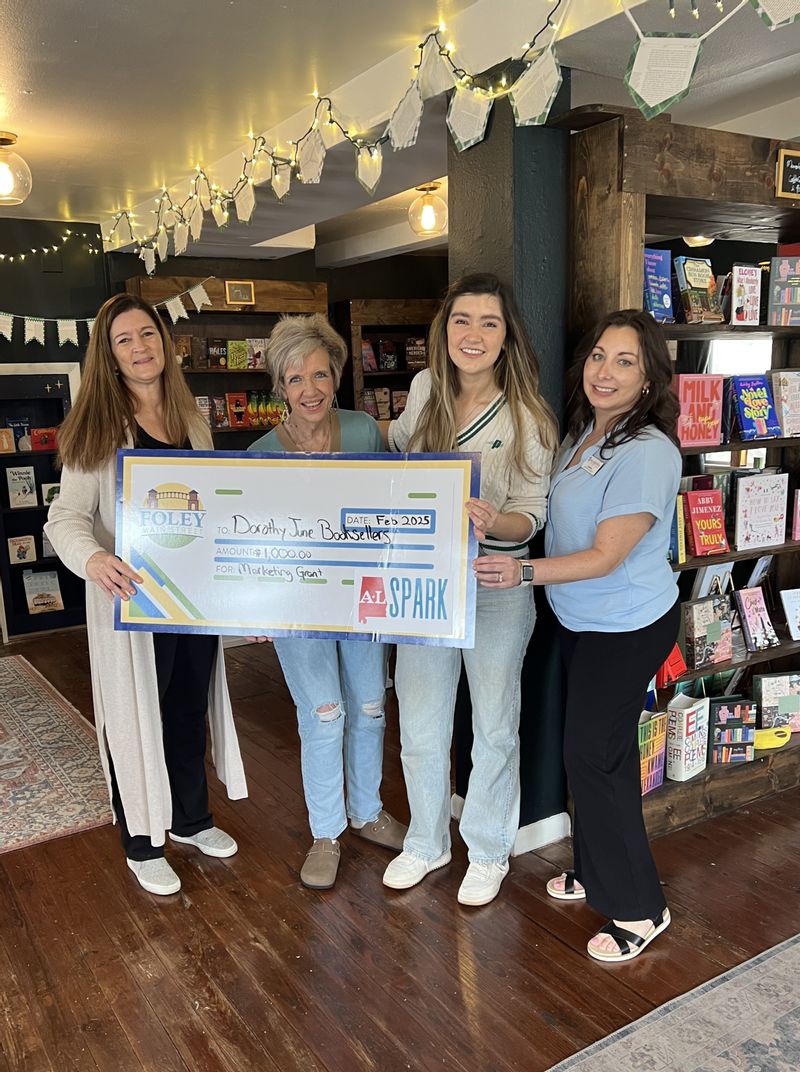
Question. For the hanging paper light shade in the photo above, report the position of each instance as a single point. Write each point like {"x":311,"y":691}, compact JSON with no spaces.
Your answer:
{"x":16,"y":181}
{"x":427,"y":214}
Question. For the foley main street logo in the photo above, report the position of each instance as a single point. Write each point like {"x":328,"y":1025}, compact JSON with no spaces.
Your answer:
{"x":172,"y":515}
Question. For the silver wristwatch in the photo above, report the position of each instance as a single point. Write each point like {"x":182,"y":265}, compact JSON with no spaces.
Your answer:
{"x":527,"y":573}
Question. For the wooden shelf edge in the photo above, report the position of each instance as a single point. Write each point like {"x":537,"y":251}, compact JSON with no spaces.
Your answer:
{"x":743,"y":444}
{"x":786,"y":647}
{"x":697,"y":562}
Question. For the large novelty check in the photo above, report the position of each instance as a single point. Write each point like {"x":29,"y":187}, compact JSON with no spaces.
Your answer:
{"x":368,"y":546}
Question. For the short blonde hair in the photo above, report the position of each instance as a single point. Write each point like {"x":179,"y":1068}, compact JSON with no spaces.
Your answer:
{"x":295,"y":337}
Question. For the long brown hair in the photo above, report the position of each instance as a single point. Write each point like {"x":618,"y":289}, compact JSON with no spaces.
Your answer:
{"x":104,"y":413}
{"x":657,"y":406}
{"x":516,"y":374}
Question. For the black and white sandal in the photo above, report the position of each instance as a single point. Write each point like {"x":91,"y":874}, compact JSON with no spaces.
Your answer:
{"x":629,"y":944}
{"x":569,"y":892}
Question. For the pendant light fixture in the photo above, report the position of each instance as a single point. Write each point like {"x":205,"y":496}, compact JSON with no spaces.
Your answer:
{"x":427,"y":214}
{"x":15,"y":175}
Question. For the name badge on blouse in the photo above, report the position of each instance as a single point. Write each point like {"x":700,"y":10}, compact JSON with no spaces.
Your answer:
{"x":592,"y":465}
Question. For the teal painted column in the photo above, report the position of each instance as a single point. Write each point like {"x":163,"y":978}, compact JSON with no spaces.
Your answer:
{"x":508,"y":212}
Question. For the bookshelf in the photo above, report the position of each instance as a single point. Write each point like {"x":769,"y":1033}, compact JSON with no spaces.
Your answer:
{"x":395,"y":320}
{"x":42,"y":393}
{"x":220,"y":320}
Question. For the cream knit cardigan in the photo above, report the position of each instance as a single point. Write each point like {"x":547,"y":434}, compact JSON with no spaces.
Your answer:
{"x":81,"y":522}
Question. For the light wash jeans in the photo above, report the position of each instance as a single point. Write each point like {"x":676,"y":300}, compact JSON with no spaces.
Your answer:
{"x":346,"y":741}
{"x":426,"y":680}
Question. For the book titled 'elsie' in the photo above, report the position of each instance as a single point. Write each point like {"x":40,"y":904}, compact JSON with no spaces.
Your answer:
{"x":705,"y":524}
{"x":750,"y":408}
{"x":700,"y":420}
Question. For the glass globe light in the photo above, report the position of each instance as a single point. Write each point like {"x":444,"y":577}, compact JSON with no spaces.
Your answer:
{"x":16,"y":181}
{"x":427,"y":214}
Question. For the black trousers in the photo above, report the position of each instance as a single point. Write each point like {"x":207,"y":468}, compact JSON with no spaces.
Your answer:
{"x":607,"y":675}
{"x":184,"y":662}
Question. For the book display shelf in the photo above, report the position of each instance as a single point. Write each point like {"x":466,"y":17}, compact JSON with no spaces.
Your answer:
{"x":226,"y":321}
{"x":631,"y":180}
{"x":37,"y":593}
{"x":390,"y":330}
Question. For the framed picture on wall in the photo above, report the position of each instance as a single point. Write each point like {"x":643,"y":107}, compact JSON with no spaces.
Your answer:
{"x":239,"y":292}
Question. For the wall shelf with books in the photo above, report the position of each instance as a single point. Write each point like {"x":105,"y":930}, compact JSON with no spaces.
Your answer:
{"x":37,"y":593}
{"x":694,"y":562}
{"x":387,"y":339}
{"x":222,"y":347}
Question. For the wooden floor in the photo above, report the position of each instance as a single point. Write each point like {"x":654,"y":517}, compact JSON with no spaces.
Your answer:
{"x":246,"y":970}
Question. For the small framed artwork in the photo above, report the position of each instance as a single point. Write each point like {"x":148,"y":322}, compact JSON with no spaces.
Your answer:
{"x":239,"y":292}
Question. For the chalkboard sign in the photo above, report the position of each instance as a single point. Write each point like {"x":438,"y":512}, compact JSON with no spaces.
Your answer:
{"x":787,"y":179}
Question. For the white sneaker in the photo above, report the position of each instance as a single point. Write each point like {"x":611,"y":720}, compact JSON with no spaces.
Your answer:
{"x":481,"y":883}
{"x":406,"y":870}
{"x":155,"y":876}
{"x":212,"y":842}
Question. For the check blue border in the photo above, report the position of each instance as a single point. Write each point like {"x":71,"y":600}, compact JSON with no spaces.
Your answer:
{"x":372,"y":637}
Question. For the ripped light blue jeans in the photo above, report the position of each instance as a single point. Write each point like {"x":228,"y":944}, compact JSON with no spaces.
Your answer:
{"x":338,"y":689}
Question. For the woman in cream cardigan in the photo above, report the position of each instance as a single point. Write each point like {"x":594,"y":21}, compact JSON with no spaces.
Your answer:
{"x":151,"y":691}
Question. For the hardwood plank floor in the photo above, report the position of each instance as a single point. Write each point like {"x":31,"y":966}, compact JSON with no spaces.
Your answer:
{"x":245,"y":970}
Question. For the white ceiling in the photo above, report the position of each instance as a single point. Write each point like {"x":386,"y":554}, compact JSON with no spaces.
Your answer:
{"x":113,"y":98}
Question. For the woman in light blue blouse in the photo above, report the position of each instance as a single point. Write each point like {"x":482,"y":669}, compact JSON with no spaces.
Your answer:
{"x":612,"y":498}
{"x":337,"y":686}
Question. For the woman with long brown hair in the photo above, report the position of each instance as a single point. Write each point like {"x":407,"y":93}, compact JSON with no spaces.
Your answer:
{"x":151,"y":691}
{"x":480,"y":394}
{"x":616,"y":603}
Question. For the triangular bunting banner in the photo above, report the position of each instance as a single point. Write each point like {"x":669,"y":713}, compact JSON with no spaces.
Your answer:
{"x":311,"y":158}
{"x":660,"y":70}
{"x":34,"y":330}
{"x":281,"y":180}
{"x":467,"y":117}
{"x":67,"y":332}
{"x":369,"y":163}
{"x":180,"y":237}
{"x":176,"y":310}
{"x":533,"y":93}
{"x":199,"y":296}
{"x":6,"y":325}
{"x":196,"y":221}
{"x":162,"y":244}
{"x":219,"y":214}
{"x":148,"y":255}
{"x":404,"y":124}
{"x":90,"y":325}
{"x":245,"y":202}
{"x":435,"y":73}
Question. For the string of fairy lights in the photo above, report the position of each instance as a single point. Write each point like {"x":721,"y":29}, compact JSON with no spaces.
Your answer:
{"x":204,"y":194}
{"x":45,"y":249}
{"x":304,"y":159}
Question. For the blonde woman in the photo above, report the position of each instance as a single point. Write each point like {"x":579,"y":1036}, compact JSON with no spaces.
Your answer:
{"x":480,"y":394}
{"x":151,"y":691}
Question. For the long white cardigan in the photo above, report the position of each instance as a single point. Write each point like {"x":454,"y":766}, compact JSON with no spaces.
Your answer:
{"x":81,"y":522}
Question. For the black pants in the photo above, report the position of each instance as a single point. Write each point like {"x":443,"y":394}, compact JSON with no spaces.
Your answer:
{"x":184,"y":662}
{"x":607,"y":679}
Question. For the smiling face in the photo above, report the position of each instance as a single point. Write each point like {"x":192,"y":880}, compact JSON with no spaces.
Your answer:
{"x":137,"y":348}
{"x":308,"y":387}
{"x":613,"y":374}
{"x":476,"y":331}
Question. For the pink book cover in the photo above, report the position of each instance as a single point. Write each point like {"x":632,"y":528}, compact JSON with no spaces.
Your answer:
{"x":700,"y":419}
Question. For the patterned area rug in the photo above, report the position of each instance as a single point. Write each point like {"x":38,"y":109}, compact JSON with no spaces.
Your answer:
{"x":51,"y":781}
{"x":747,"y":1020}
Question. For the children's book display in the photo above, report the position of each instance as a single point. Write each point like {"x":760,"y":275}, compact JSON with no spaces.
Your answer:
{"x":42,"y":591}
{"x":21,"y":487}
{"x":760,"y":518}
{"x":21,"y":549}
{"x":778,"y":699}
{"x":658,"y":284}
{"x":687,"y":737}
{"x":708,"y":630}
{"x":731,"y":729}
{"x":696,"y":291}
{"x":759,"y":632}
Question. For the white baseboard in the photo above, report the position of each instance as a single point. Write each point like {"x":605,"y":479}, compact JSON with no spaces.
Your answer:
{"x":534,"y":835}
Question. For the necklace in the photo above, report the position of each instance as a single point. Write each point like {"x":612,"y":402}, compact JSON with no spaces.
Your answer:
{"x":475,"y":409}
{"x":306,"y":443}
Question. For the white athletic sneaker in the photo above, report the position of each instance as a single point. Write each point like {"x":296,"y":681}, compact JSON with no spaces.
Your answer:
{"x":212,"y":842}
{"x":406,"y":870}
{"x":155,"y":876}
{"x":481,"y":883}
